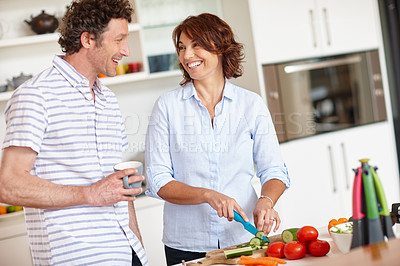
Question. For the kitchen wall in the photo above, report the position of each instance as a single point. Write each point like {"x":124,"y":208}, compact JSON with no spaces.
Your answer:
{"x":136,"y":98}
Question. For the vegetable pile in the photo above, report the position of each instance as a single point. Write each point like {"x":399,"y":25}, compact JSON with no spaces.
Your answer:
{"x":9,"y":209}
{"x":345,"y":228}
{"x":335,"y":222}
{"x":297,"y":242}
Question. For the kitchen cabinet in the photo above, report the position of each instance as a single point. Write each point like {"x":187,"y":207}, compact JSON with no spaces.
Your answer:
{"x":14,"y":243}
{"x":322,"y":183}
{"x":149,"y":213}
{"x":287,"y":30}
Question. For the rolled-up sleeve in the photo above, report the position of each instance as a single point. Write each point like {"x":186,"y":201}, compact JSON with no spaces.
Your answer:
{"x":266,"y":152}
{"x":159,"y":168}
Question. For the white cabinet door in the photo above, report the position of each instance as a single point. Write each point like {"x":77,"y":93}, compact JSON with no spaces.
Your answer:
{"x":288,"y":30}
{"x":347,"y":26}
{"x":283,"y":29}
{"x":314,"y":197}
{"x":15,"y":251}
{"x":376,"y":143}
{"x":321,"y":170}
{"x":149,"y":213}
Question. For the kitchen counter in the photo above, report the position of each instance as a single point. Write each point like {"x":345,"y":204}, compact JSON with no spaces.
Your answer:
{"x":385,"y":253}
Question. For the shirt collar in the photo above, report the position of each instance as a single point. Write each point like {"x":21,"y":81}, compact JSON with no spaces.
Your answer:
{"x":74,"y":77}
{"x":190,"y":91}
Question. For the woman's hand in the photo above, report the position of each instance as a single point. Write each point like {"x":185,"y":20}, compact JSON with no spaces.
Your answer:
{"x":224,"y":205}
{"x":265,"y":216}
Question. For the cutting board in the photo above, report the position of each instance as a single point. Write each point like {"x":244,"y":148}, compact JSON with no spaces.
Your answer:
{"x":218,"y":256}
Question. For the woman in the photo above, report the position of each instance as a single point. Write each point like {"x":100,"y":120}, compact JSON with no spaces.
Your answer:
{"x":202,"y":142}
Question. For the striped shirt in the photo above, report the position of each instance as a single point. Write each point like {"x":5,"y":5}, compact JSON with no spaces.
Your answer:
{"x":78,"y":141}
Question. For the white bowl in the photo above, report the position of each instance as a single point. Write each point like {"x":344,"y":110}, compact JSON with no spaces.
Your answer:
{"x":342,"y":240}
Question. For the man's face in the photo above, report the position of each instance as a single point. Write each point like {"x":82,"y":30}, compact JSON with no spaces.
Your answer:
{"x":111,"y":48}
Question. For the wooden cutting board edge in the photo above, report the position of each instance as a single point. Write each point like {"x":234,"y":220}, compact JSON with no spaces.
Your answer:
{"x":218,"y":257}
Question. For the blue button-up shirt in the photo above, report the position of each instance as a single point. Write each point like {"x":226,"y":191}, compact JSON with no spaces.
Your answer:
{"x":183,"y":145}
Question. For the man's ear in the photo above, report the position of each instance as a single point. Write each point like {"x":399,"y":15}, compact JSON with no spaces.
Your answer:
{"x":87,"y":39}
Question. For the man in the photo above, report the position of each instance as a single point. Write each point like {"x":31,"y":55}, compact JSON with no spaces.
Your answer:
{"x":64,"y":134}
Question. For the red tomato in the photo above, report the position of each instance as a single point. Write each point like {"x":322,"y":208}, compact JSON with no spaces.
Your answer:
{"x":306,"y":244}
{"x":294,"y":250}
{"x":307,"y":233}
{"x":276,"y":250}
{"x":319,"y":248}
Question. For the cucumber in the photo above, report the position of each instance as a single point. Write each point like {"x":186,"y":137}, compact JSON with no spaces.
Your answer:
{"x":255,"y":241}
{"x":260,"y":234}
{"x":289,"y":235}
{"x":237,"y":252}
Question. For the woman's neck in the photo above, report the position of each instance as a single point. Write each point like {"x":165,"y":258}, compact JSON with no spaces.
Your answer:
{"x":210,"y":91}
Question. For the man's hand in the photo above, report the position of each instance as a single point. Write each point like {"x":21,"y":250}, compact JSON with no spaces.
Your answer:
{"x":110,"y":189}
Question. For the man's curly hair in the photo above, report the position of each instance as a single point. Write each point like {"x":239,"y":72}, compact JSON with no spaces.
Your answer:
{"x":90,"y":16}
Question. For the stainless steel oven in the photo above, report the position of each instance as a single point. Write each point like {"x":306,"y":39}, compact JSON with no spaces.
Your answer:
{"x":320,"y":95}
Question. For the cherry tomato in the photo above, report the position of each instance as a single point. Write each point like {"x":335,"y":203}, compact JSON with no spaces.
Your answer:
{"x":319,"y":247}
{"x":332,"y":222}
{"x":307,"y":233}
{"x":276,"y":250}
{"x":306,"y":244}
{"x":294,"y":250}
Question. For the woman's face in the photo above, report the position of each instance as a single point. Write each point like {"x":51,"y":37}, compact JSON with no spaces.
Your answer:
{"x":197,"y":61}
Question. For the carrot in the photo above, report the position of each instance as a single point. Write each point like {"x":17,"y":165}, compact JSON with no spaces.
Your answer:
{"x":264,"y":261}
{"x":278,"y":260}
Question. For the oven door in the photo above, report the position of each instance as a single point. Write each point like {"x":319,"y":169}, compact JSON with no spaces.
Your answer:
{"x":324,"y":94}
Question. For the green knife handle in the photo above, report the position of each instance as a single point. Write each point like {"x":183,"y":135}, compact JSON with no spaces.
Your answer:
{"x":380,"y":192}
{"x":369,"y":193}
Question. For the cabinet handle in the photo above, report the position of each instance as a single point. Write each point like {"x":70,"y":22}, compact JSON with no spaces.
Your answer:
{"x":333,"y":172}
{"x":313,"y":27}
{"x":345,"y":165}
{"x":328,"y":33}
{"x":274,"y":95}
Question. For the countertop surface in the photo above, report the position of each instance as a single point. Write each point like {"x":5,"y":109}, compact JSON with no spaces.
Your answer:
{"x":383,"y":254}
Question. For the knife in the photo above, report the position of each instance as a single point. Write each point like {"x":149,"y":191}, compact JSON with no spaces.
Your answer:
{"x":358,"y":215}
{"x":247,"y":225}
{"x":374,"y":227}
{"x":383,"y":206}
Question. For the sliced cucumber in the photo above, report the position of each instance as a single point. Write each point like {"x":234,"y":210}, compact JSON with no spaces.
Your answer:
{"x":289,"y":235}
{"x":237,"y":252}
{"x":255,"y":241}
{"x":260,"y":234}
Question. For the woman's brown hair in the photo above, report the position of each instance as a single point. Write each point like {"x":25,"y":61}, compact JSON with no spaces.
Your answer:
{"x":215,"y":36}
{"x":90,"y":16}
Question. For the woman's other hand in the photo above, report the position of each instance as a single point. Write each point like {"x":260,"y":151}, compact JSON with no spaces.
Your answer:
{"x":265,"y":217}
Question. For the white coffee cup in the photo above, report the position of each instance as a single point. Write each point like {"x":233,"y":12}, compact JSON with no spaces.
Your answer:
{"x":130,"y":164}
